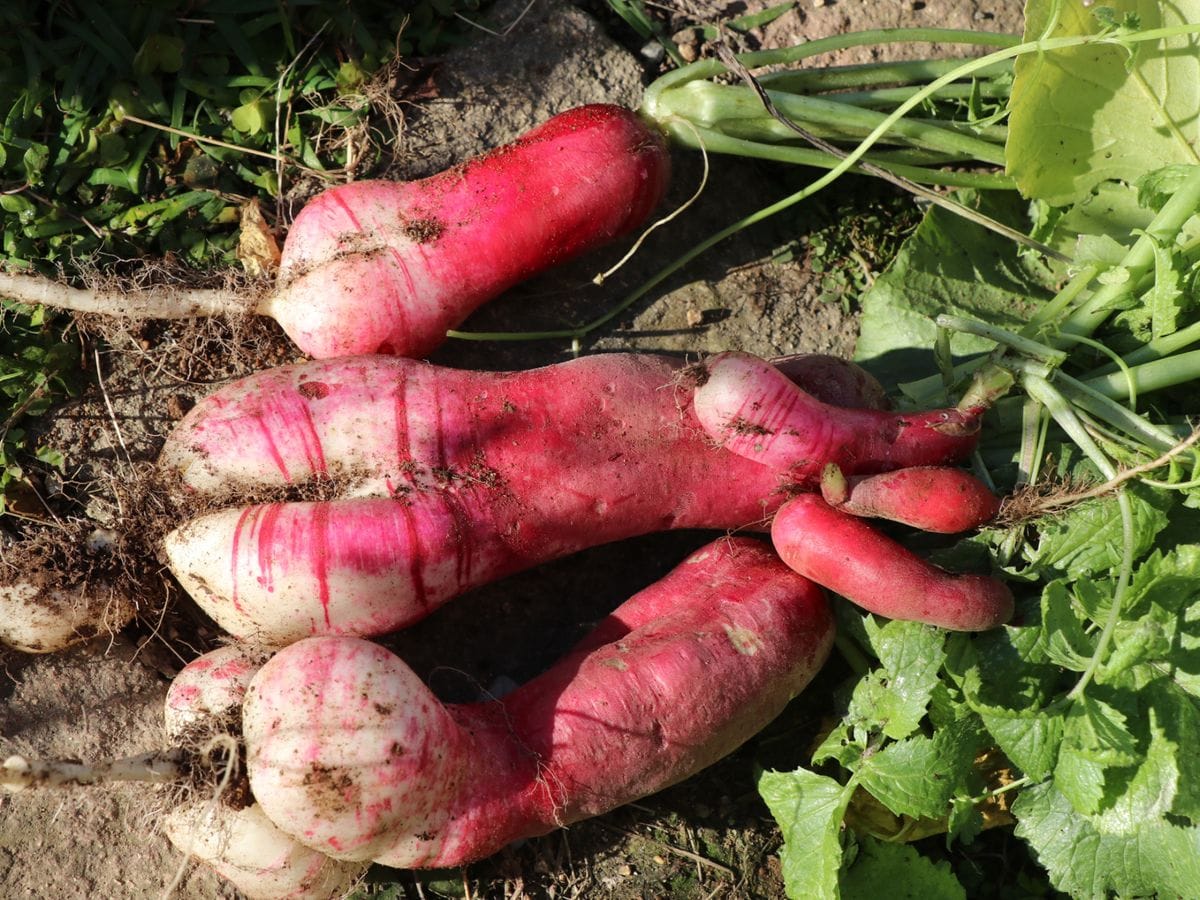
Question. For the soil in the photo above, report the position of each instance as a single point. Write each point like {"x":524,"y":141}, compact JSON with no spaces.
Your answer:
{"x":709,"y":837}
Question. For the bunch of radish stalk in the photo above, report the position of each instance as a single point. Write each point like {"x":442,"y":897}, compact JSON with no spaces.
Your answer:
{"x":435,"y":481}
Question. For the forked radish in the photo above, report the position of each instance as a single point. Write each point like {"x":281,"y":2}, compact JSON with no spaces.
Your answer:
{"x":348,"y":751}
{"x":432,"y":481}
{"x":351,"y":758}
{"x":384,"y":267}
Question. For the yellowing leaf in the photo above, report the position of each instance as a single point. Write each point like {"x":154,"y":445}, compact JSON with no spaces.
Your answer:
{"x":257,"y":248}
{"x":1079,"y":117}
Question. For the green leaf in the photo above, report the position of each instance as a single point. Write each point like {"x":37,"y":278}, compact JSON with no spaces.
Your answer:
{"x":1080,"y":779}
{"x":808,"y":808}
{"x":1010,"y":695}
{"x":1064,"y":639}
{"x":893,"y":698}
{"x":1147,"y":793}
{"x":1030,"y":739}
{"x":946,"y":266}
{"x":1087,"y":540}
{"x":1156,"y":858}
{"x":898,"y":872}
{"x":918,"y":776}
{"x":965,"y":822}
{"x":1080,"y":117}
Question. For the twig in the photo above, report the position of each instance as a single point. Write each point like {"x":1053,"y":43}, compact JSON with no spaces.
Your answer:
{"x":1124,"y":475}
{"x":678,"y":851}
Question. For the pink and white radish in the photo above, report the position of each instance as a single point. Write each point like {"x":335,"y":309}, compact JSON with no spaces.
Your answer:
{"x":350,"y":753}
{"x":238,"y":841}
{"x":35,"y":618}
{"x":42,"y":611}
{"x":848,"y":556}
{"x":445,"y":480}
{"x":384,"y":267}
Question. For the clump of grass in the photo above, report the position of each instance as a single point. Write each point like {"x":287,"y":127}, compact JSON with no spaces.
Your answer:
{"x":138,"y":128}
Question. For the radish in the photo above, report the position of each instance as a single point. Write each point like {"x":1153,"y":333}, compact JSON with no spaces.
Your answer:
{"x":350,"y":753}
{"x":43,"y":610}
{"x":849,"y":557}
{"x":381,"y":267}
{"x":932,"y":498}
{"x":755,"y":411}
{"x":237,"y":840}
{"x":432,"y":481}
{"x":38,"y":619}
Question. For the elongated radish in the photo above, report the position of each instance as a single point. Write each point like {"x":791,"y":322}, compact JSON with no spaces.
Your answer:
{"x":349,"y":752}
{"x":237,"y":840}
{"x":443,"y":480}
{"x":849,"y":557}
{"x":383,"y":267}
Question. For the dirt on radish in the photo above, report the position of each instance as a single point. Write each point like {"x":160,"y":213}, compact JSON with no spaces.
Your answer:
{"x":708,"y":837}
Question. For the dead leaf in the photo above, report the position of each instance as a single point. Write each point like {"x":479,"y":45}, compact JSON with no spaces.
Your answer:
{"x":257,"y":248}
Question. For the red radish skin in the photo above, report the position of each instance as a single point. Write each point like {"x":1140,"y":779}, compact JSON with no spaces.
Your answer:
{"x":851,"y":558}
{"x":450,"y":479}
{"x":348,"y":751}
{"x":241,"y":844}
{"x":932,"y":498}
{"x":753,"y":410}
{"x":385,"y":267}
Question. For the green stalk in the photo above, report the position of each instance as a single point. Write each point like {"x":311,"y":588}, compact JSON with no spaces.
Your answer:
{"x":1124,"y":576}
{"x":1150,"y":376}
{"x":1139,"y":260}
{"x":886,"y":97}
{"x":844,"y":78}
{"x":716,"y":142}
{"x":709,"y":68}
{"x":708,"y":104}
{"x":1159,"y":348}
{"x":1061,"y":411}
{"x":1048,"y":355}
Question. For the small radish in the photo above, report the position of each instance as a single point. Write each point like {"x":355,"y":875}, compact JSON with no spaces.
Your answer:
{"x":932,"y":498}
{"x":384,"y":267}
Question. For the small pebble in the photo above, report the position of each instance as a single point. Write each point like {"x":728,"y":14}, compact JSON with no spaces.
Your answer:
{"x":653,"y":51}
